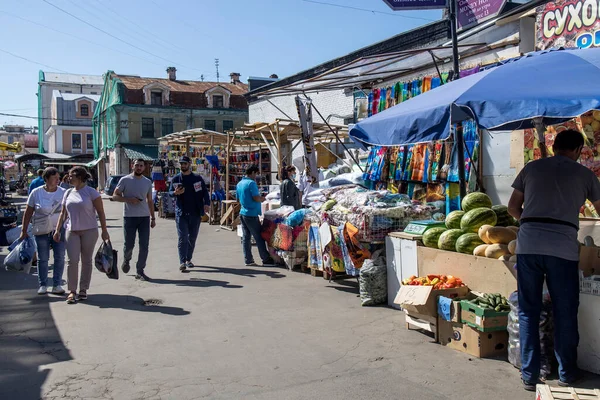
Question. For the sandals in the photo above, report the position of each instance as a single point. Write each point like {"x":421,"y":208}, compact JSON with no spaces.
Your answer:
{"x":82,"y":295}
{"x":71,"y":298}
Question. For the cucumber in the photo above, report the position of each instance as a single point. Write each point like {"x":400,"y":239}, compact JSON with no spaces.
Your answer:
{"x":497,"y":308}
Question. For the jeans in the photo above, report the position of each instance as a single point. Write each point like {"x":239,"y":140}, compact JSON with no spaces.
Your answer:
{"x":44,"y":243}
{"x":562,"y":279}
{"x":251,"y":226}
{"x":188,"y":226}
{"x":141,"y":225}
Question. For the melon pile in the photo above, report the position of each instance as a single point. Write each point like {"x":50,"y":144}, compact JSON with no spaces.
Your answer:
{"x":475,"y":228}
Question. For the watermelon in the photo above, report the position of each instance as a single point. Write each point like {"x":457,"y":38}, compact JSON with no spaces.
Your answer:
{"x":453,"y":219}
{"x":476,"y":200}
{"x":504,"y":218}
{"x":431,"y":237}
{"x":447,"y":240}
{"x":468,"y":242}
{"x":475,"y":219}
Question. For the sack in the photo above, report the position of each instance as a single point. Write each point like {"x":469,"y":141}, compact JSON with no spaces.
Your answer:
{"x":373,"y":282}
{"x":104,"y":258}
{"x":27,"y":249}
{"x":114,"y":271}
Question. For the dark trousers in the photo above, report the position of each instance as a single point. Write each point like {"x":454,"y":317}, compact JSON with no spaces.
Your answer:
{"x":562,"y":279}
{"x":251,"y":227}
{"x":141,"y":226}
{"x":188,"y":226}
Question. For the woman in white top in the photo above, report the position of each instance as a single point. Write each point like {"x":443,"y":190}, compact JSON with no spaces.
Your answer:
{"x":81,"y":204}
{"x":45,"y":204}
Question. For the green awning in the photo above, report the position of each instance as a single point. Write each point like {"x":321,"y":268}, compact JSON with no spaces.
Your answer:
{"x":143,"y":151}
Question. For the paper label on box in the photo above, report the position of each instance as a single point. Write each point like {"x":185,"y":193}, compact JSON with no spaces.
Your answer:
{"x":478,"y":320}
{"x":413,"y":295}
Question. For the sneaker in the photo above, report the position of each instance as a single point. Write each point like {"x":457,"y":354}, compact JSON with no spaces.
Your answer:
{"x":269,"y":263}
{"x":142,"y":277}
{"x":189,"y":264}
{"x":529,"y":386}
{"x":42,"y":290}
{"x":182,"y":267}
{"x":82,"y":295}
{"x":251,"y":264}
{"x":125,"y":267}
{"x":571,"y":382}
{"x":58,"y":290}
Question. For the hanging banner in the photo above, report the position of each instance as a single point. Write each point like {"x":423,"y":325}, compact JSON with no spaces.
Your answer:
{"x":568,"y":23}
{"x":473,"y":12}
{"x":399,"y":5}
{"x":304,"y":107}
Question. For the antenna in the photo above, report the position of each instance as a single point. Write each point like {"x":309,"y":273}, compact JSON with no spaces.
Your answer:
{"x":202,"y":77}
{"x":217,"y":66}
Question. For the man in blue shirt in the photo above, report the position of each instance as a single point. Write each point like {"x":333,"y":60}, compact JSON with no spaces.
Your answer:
{"x":37,"y":182}
{"x":250,"y":199}
{"x":192,"y":200}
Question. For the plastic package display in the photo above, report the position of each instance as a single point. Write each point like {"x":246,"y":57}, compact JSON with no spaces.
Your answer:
{"x":546,"y":335}
{"x":373,"y":282}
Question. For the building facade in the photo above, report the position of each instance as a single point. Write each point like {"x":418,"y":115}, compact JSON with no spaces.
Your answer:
{"x":48,"y":83}
{"x":70,"y":131}
{"x":134,"y":112}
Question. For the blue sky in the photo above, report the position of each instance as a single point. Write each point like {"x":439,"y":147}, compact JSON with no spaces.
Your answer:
{"x":252,"y":37}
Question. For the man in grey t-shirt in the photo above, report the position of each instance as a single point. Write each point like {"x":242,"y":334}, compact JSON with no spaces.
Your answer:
{"x":547,"y":197}
{"x":135,"y":190}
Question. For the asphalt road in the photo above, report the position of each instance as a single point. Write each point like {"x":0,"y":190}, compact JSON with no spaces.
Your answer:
{"x":224,"y":331}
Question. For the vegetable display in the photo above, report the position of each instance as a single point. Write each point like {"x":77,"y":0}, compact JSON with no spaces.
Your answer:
{"x":492,"y":301}
{"x":432,"y":236}
{"x":476,"y":200}
{"x":476,"y":218}
{"x":467,"y":243}
{"x":453,"y":219}
{"x":447,"y":240}
{"x":437,"y":281}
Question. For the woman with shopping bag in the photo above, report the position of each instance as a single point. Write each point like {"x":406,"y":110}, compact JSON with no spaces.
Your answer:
{"x":81,"y":204}
{"x":44,"y":206}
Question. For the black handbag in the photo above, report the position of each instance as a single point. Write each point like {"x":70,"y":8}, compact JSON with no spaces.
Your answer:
{"x":114,"y":271}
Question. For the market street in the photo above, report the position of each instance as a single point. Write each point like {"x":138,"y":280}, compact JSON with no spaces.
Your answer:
{"x":224,"y":331}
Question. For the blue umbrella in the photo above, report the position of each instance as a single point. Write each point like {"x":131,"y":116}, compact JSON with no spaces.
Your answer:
{"x":552,"y":85}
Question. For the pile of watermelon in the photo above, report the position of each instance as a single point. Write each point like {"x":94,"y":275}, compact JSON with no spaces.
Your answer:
{"x":461,"y":233}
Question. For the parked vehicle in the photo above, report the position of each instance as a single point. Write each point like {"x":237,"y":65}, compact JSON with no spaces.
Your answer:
{"x":111,"y":184}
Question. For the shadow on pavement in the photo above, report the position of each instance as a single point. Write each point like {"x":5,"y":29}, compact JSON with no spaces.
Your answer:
{"x":126,"y":302}
{"x":196,"y":282}
{"x":29,"y":336}
{"x":248,"y":272}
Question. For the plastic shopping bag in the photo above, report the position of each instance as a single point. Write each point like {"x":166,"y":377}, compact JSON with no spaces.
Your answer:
{"x":114,"y":271}
{"x":12,"y":262}
{"x":27,"y":249}
{"x":104,"y":258}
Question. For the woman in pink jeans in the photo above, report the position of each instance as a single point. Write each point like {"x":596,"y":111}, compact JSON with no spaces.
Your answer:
{"x":80,"y":204}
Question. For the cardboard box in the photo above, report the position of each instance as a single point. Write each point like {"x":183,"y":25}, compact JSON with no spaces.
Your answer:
{"x":455,"y":307}
{"x":589,"y":260}
{"x":483,"y":319}
{"x":423,"y":299}
{"x":471,"y":341}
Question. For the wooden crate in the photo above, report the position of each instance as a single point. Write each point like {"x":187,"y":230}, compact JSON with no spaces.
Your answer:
{"x":423,"y":322}
{"x":316,"y":272}
{"x":545,"y":392}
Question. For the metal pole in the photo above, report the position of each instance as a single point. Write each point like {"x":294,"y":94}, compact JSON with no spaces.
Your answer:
{"x":453,"y":23}
{"x":460,"y":142}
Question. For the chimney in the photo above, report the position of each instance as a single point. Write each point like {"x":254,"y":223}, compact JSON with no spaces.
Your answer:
{"x":235,"y":78}
{"x":171,"y":71}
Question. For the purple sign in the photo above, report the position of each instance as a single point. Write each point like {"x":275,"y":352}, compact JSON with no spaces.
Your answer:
{"x":399,"y":5}
{"x":473,"y":12}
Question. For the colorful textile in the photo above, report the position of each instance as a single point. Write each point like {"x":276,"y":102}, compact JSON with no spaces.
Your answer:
{"x":436,"y":161}
{"x":357,"y":253}
{"x":420,"y":162}
{"x":406,"y":176}
{"x":452,"y":197}
{"x":400,"y":163}
{"x":337,"y":256}
{"x":315,"y":259}
{"x":375,"y":164}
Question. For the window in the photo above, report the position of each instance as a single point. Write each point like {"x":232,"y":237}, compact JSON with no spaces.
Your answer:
{"x":89,"y":142}
{"x":167,"y":126}
{"x":11,"y":139}
{"x":227,"y":125}
{"x":217,"y":101}
{"x":210,"y":124}
{"x":76,"y":141}
{"x":84,"y":110}
{"x":156,"y":98}
{"x":147,"y":127}
{"x":68,"y":91}
{"x":93,"y":92}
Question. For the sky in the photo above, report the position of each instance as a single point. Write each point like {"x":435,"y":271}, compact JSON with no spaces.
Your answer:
{"x":144,"y":37}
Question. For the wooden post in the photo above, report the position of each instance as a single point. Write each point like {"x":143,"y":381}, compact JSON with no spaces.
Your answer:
{"x":227,"y":158}
{"x":187,"y":146}
{"x":278,"y":146}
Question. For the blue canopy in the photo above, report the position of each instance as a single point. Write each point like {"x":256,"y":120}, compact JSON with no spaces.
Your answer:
{"x":555,"y":85}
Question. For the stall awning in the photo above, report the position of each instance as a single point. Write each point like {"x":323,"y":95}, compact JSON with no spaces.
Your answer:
{"x":143,"y":151}
{"x":92,"y":164}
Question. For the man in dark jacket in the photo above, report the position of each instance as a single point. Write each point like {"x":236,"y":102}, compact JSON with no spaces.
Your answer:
{"x":192,"y":201}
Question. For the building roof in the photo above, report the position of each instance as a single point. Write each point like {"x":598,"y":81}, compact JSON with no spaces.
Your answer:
{"x":143,"y":151}
{"x":132,"y":82}
{"x":76,"y":79}
{"x":75,"y":96}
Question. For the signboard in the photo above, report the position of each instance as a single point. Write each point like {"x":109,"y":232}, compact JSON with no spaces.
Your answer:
{"x":473,"y":12}
{"x":568,"y":23}
{"x":399,"y":5}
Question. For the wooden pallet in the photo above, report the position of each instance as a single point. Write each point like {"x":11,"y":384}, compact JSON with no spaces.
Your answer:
{"x":316,"y":272}
{"x":422,"y":322}
{"x":545,"y":392}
